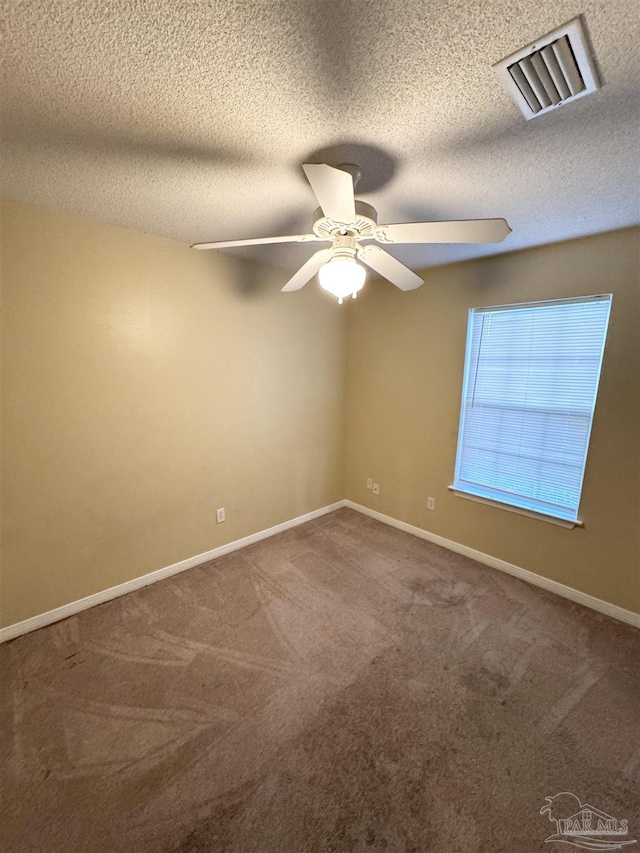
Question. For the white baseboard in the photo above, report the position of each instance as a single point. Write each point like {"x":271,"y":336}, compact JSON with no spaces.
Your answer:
{"x":42,"y":619}
{"x":524,"y":574}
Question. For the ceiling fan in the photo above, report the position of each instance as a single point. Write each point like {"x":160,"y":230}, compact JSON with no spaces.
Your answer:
{"x":350,"y":225}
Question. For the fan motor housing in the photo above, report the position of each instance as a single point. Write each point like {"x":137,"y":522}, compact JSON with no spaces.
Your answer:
{"x":364,"y":225}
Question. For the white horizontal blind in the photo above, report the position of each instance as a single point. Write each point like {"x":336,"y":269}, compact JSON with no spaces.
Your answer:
{"x":530,"y":385}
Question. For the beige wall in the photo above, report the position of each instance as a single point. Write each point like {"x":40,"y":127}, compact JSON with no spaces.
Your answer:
{"x":145,"y":385}
{"x":406,"y":354}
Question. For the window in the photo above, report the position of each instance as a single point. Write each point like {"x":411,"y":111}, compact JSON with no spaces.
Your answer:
{"x":530,"y":383}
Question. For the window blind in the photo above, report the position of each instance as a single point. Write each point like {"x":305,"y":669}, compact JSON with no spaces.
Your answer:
{"x":530,"y":384}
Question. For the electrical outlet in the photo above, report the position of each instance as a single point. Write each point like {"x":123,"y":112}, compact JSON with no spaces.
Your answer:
{"x":376,"y":488}
{"x":369,"y":482}
{"x":431,"y":503}
{"x":220,"y":516}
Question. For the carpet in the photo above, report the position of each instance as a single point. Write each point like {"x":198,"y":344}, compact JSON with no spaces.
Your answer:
{"x":342,"y":686}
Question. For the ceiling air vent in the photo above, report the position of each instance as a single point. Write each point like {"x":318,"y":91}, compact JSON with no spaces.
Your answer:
{"x":553,"y":71}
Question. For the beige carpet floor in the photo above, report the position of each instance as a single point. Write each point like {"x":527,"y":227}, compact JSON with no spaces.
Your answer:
{"x":342,"y":686}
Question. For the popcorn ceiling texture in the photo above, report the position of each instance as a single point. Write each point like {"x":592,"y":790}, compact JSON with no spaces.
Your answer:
{"x":191,"y":120}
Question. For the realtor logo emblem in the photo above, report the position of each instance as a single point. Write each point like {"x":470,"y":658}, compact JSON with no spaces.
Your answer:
{"x":584,"y":826}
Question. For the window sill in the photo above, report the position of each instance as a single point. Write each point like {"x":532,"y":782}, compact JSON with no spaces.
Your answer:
{"x":559,"y":522}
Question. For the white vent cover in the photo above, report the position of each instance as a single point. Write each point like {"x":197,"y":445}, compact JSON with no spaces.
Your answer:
{"x":553,"y":71}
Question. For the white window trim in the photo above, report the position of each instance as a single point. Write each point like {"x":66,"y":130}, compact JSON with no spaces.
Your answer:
{"x":550,"y":519}
{"x":455,"y":487}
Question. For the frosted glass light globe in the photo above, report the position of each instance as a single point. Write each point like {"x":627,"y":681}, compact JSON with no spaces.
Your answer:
{"x":342,"y":277}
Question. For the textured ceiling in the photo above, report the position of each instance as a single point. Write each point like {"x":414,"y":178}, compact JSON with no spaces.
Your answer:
{"x":190,"y":120}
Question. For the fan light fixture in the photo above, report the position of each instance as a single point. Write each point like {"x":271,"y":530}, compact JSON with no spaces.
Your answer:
{"x":346,"y":222}
{"x":342,"y":277}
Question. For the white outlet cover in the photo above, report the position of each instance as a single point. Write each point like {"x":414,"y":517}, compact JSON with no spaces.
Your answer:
{"x":376,"y":488}
{"x":369,"y":482}
{"x":431,"y":503}
{"x":220,"y":516}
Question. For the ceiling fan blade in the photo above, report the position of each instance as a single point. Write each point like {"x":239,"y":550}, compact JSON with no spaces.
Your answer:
{"x":307,"y":270}
{"x":390,"y":268}
{"x":462,"y":231}
{"x":258,"y":241}
{"x":334,"y":191}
